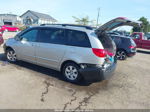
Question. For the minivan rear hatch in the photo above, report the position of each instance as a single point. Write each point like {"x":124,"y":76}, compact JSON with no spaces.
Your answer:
{"x":120,"y":21}
{"x":107,"y":42}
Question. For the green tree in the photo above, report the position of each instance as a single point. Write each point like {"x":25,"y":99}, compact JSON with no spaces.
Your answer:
{"x":145,"y":26}
{"x":137,"y":29}
{"x":82,"y":21}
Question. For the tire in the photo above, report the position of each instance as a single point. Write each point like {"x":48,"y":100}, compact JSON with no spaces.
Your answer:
{"x":121,"y":55}
{"x":11,"y":56}
{"x":6,"y":30}
{"x":71,"y":72}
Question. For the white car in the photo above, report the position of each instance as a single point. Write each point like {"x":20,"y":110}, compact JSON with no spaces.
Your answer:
{"x":77,"y":51}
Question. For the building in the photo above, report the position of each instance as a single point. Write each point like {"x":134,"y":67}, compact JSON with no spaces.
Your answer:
{"x":9,"y":19}
{"x":36,"y":18}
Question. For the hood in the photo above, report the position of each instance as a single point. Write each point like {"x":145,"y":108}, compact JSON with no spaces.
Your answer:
{"x":120,"y":21}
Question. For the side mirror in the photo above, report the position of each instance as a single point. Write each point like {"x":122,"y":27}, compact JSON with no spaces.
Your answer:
{"x":17,"y":38}
{"x":24,"y":40}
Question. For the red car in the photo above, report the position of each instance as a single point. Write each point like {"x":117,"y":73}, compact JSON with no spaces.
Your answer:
{"x":141,"y":40}
{"x":9,"y":28}
{"x":1,"y":39}
{"x":1,"y":30}
{"x":1,"y":36}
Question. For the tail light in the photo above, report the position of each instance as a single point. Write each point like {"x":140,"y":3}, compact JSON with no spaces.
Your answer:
{"x":102,"y":52}
{"x":109,"y":53}
{"x":99,"y":52}
{"x":131,"y":47}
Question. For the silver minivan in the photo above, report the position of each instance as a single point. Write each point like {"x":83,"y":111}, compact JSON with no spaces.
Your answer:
{"x":77,"y":51}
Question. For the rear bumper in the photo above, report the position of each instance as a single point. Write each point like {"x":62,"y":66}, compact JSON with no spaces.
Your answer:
{"x":96,"y":74}
{"x":131,"y":54}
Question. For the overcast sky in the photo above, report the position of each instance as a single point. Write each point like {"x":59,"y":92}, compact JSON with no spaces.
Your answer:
{"x":63,"y":10}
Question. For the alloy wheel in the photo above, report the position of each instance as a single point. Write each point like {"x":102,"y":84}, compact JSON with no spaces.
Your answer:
{"x":71,"y":73}
{"x":121,"y":55}
{"x":11,"y":56}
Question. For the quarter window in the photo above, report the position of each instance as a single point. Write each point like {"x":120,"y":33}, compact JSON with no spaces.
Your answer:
{"x":77,"y":38}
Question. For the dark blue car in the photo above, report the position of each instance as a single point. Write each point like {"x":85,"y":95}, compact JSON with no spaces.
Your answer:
{"x":126,"y":47}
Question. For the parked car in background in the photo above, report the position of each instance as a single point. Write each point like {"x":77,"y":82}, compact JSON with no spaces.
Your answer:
{"x":1,"y":31}
{"x":117,"y":32}
{"x":141,"y":40}
{"x":10,"y":28}
{"x":112,"y":33}
{"x":1,"y":39}
{"x":126,"y":47}
{"x":148,"y":36}
{"x":77,"y":51}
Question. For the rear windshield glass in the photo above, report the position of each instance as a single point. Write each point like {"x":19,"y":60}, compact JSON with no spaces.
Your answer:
{"x":107,"y":42}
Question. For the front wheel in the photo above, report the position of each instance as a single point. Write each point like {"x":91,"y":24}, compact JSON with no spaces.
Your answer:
{"x":6,"y":30}
{"x":121,"y":55}
{"x":71,"y":72}
{"x":11,"y":55}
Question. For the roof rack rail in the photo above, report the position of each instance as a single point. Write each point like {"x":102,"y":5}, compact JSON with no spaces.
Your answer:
{"x":82,"y":26}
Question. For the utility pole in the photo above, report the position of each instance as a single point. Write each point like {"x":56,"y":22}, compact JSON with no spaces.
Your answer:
{"x":98,"y":16}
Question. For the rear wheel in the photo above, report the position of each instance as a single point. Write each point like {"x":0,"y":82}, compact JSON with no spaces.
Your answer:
{"x":121,"y":55}
{"x":11,"y":55}
{"x":71,"y":72}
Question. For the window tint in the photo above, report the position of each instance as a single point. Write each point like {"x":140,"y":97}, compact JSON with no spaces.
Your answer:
{"x":107,"y":42}
{"x":77,"y":38}
{"x":30,"y":36}
{"x":9,"y":26}
{"x":55,"y":36}
{"x":135,"y":36}
{"x":145,"y":38}
{"x":116,"y":39}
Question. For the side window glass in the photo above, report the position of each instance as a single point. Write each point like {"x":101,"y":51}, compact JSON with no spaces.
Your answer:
{"x":44,"y":35}
{"x":135,"y":36}
{"x":145,"y":38}
{"x":117,"y":40}
{"x":30,"y":36}
{"x":77,"y":38}
{"x":58,"y":37}
{"x":54,"y":36}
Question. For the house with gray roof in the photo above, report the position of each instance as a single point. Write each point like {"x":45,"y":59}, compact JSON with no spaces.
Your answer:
{"x":36,"y":18}
{"x":9,"y":19}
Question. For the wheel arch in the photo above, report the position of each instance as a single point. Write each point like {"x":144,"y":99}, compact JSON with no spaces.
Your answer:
{"x":65,"y":62}
{"x":8,"y":47}
{"x":119,"y":49}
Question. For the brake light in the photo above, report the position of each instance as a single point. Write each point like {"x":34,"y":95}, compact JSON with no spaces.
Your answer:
{"x":110,"y":54}
{"x":131,"y":47}
{"x":99,"y":52}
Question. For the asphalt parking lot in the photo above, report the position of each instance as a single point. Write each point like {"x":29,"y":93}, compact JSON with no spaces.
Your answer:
{"x":27,"y":86}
